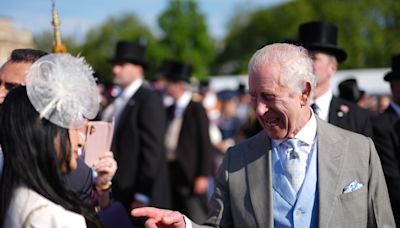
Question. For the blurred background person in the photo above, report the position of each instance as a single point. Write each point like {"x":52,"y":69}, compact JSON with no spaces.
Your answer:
{"x":138,"y":142}
{"x":320,"y":39}
{"x":228,"y":122}
{"x":349,"y":90}
{"x":40,"y":124}
{"x":387,"y":140}
{"x":188,"y":144}
{"x":243,"y":106}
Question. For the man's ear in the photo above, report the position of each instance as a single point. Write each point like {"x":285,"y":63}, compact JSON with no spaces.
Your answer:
{"x":305,"y":94}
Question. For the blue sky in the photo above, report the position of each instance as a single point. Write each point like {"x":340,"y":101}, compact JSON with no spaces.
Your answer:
{"x":77,"y":16}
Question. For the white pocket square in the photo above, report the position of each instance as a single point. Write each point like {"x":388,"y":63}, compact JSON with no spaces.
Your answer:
{"x":352,"y":187}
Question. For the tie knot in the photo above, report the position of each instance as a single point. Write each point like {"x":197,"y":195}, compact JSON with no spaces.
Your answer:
{"x":291,"y":143}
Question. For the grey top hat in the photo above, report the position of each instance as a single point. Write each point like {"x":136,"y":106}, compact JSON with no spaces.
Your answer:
{"x":130,"y":52}
{"x":321,"y":36}
{"x":395,"y":73}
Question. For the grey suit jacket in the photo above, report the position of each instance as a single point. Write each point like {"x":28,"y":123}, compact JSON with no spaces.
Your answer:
{"x":243,"y":196}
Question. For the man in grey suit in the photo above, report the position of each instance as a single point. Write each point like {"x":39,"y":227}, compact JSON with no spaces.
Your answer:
{"x":300,"y":171}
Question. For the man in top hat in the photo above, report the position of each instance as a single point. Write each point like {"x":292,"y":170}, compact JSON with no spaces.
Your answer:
{"x":387,"y":138}
{"x":138,"y":142}
{"x":188,"y":144}
{"x":320,"y":39}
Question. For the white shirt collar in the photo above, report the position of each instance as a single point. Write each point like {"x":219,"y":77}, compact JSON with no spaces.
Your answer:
{"x":131,"y":89}
{"x":182,"y":103}
{"x":323,"y":102}
{"x":306,"y":134}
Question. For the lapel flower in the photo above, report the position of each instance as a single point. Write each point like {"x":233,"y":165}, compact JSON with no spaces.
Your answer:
{"x":343,"y":110}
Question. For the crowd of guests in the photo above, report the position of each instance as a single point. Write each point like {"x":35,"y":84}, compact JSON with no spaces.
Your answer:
{"x":284,"y":153}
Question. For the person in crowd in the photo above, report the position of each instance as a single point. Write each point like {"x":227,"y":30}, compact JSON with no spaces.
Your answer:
{"x":349,"y":90}
{"x":188,"y":145}
{"x":387,"y":139}
{"x":243,"y":107}
{"x":40,"y":141}
{"x":228,"y":122}
{"x":80,"y":180}
{"x":320,"y":39}
{"x":300,"y":171}
{"x":140,"y":124}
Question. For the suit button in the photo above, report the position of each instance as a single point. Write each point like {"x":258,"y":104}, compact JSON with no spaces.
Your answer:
{"x":298,"y":212}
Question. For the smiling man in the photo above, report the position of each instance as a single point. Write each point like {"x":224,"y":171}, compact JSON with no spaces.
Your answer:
{"x":300,"y":171}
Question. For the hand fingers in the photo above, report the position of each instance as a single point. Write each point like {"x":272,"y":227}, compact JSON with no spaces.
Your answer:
{"x":150,"y":212}
{"x":150,"y":223}
{"x":175,"y":218}
{"x":106,"y":155}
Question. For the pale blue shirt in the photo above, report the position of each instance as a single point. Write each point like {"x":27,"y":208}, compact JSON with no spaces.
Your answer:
{"x":306,"y":134}
{"x":284,"y":214}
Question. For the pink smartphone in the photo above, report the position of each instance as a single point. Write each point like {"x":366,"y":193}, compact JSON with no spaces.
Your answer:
{"x":98,"y":139}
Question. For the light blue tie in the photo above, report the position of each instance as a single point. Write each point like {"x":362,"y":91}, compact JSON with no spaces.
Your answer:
{"x":295,"y":162}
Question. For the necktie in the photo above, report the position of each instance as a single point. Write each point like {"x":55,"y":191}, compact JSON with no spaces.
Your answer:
{"x":315,"y":108}
{"x":294,"y":163}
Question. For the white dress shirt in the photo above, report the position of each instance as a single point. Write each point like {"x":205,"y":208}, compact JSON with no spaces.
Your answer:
{"x":323,"y":102}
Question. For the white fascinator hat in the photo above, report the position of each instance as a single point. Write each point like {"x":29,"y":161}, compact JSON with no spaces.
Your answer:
{"x":63,"y":90}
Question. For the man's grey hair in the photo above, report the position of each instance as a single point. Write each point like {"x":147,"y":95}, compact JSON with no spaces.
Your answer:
{"x":296,"y":66}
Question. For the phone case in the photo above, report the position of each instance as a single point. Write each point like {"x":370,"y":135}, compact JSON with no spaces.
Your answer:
{"x":98,"y":139}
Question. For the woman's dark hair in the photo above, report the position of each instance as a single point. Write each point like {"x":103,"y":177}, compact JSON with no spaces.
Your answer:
{"x":30,"y":157}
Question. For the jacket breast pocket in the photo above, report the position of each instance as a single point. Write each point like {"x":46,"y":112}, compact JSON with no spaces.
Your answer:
{"x":352,"y":208}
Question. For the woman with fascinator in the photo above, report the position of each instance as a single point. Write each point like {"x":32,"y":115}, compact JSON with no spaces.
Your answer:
{"x":40,"y":141}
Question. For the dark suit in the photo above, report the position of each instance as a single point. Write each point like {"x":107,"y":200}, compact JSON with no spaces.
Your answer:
{"x":243,"y":195}
{"x":356,"y":119}
{"x":387,"y":142}
{"x":80,"y":181}
{"x":193,"y":159}
{"x":138,"y":147}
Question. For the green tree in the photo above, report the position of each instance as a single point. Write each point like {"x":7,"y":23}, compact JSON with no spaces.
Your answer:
{"x":185,"y":36}
{"x":368,"y":31}
{"x":101,"y":41}
{"x":44,"y":41}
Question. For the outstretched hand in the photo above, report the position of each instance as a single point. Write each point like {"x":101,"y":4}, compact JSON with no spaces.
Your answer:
{"x":160,"y":218}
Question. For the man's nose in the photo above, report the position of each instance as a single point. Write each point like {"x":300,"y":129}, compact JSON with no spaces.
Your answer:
{"x":261,"y":108}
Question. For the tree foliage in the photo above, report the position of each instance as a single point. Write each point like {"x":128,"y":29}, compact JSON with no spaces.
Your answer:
{"x":368,"y":31}
{"x":44,"y":41}
{"x":101,"y":41}
{"x":185,"y":36}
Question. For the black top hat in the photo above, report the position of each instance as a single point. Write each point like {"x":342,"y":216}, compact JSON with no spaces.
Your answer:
{"x":321,"y":36}
{"x":348,"y":90}
{"x":130,"y":52}
{"x":395,"y":73}
{"x":176,"y":71}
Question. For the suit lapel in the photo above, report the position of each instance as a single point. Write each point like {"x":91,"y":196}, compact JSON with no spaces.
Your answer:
{"x":330,"y":160}
{"x":258,"y":169}
{"x":333,"y":109}
{"x":128,"y":107}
